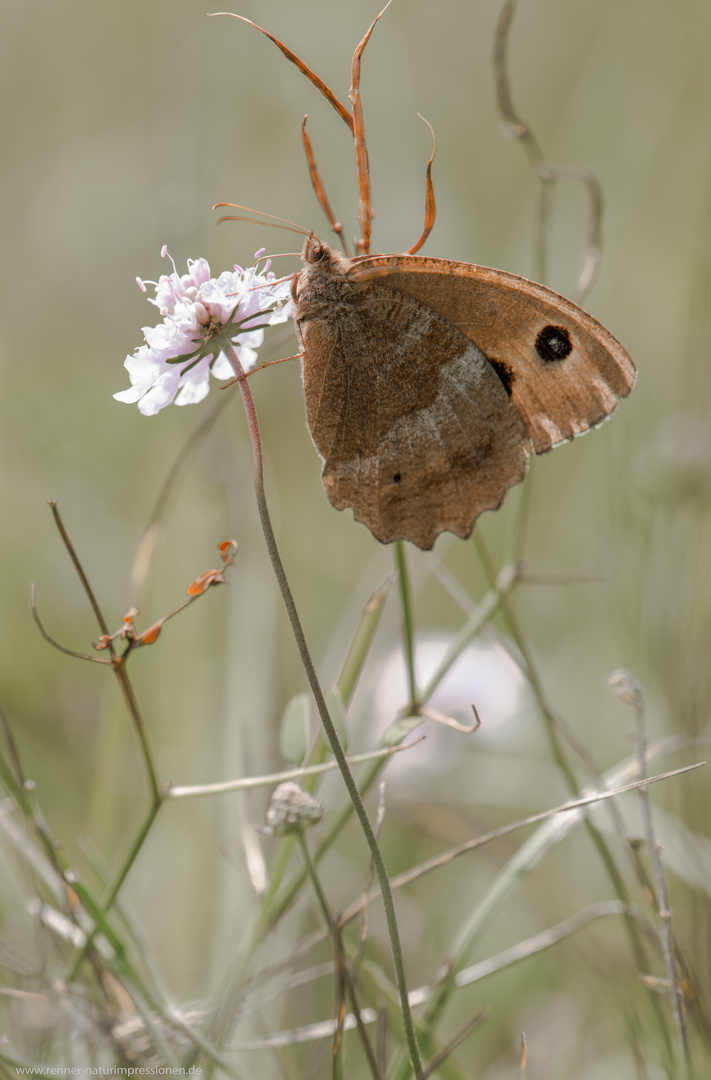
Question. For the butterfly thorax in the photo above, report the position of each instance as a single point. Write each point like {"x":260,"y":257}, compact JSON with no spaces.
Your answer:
{"x":323,"y":290}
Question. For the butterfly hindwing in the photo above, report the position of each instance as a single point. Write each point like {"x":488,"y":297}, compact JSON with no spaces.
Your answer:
{"x":417,"y":432}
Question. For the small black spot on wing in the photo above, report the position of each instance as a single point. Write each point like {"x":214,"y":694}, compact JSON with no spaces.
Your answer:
{"x":397,"y":477}
{"x":553,"y":344}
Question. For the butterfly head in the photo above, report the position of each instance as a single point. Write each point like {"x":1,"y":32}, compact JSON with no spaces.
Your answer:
{"x":320,"y":259}
{"x":314,"y":250}
{"x":322,"y":280}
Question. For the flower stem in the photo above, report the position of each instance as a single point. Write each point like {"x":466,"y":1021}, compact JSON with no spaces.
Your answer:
{"x":338,"y":951}
{"x":119,"y":666}
{"x":320,"y":700}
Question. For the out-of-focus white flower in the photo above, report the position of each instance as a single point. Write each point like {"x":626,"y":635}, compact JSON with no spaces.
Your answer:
{"x":202,"y":316}
{"x":484,"y":675}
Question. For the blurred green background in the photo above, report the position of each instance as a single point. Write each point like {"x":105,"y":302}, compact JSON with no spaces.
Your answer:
{"x":122,"y":125}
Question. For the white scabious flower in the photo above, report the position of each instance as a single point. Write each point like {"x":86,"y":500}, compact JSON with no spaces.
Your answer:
{"x":202,"y":316}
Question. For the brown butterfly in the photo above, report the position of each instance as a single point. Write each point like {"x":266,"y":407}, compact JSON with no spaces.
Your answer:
{"x":429,"y":383}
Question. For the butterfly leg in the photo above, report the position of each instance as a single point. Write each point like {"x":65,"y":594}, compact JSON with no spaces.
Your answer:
{"x":365,"y":206}
{"x":320,"y":190}
{"x":430,"y":209}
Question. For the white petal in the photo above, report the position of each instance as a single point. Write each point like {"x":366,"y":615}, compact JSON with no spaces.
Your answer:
{"x":131,"y":395}
{"x":159,"y":395}
{"x":157,"y":337}
{"x":193,"y":389}
{"x":250,"y":340}
{"x":142,"y":372}
{"x":222,"y":368}
{"x":247,"y":356}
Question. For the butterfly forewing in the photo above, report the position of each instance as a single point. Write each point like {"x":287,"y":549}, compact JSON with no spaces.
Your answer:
{"x":564,"y":371}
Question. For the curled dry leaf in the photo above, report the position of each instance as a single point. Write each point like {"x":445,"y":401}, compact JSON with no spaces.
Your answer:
{"x":626,"y":687}
{"x":228,"y":549}
{"x":203,"y":582}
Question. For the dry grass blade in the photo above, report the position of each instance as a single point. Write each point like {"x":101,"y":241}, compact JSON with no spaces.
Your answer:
{"x":539,"y":942}
{"x":629,"y":690}
{"x":399,"y":881}
{"x":547,"y":174}
{"x":268,"y":780}
{"x":456,"y":1041}
{"x":518,"y":128}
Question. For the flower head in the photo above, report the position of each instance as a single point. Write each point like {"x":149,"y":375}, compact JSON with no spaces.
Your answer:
{"x":202,"y":316}
{"x":292,"y":810}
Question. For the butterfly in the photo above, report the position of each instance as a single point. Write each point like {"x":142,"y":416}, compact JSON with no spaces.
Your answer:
{"x":429,"y":383}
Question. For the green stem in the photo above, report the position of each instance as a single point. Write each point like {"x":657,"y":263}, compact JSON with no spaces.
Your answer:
{"x":282,"y":903}
{"x":119,"y":666}
{"x":108,"y":904}
{"x":407,"y":620}
{"x":328,"y":726}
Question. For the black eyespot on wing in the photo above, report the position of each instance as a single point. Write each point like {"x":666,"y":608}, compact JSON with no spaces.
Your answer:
{"x":505,"y":374}
{"x":397,"y":477}
{"x":553,"y":344}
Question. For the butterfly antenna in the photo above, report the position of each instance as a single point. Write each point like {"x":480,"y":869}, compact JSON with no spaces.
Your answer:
{"x":278,"y":255}
{"x":275,"y":223}
{"x":277,"y":281}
